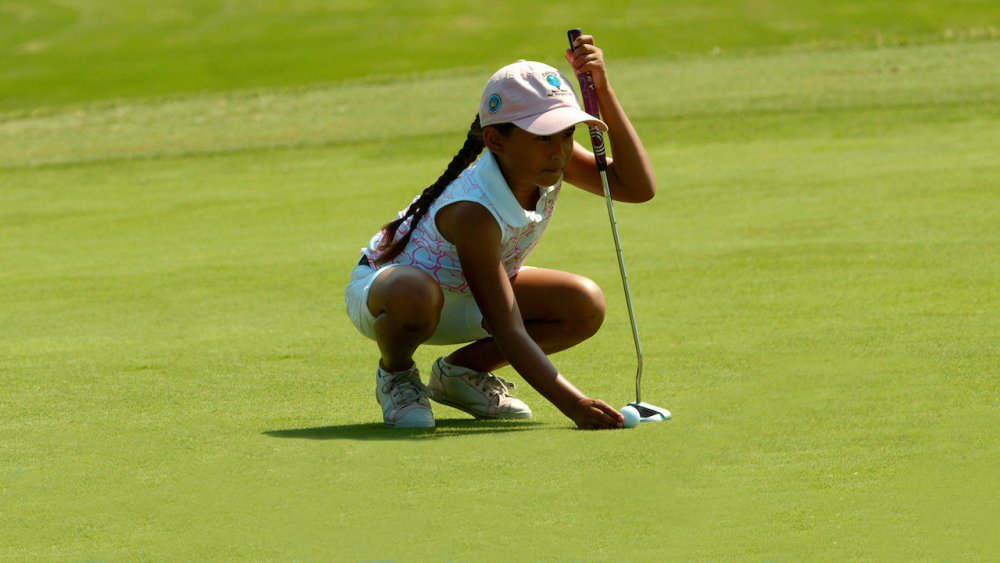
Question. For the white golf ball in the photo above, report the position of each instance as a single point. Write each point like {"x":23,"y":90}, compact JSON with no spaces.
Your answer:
{"x":631,"y":416}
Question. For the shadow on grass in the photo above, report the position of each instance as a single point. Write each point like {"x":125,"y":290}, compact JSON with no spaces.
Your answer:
{"x":376,"y":431}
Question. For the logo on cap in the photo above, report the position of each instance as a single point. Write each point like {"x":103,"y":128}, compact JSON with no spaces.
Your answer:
{"x":495,"y":103}
{"x":553,"y":79}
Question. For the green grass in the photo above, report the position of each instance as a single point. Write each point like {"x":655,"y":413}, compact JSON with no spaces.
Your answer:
{"x":816,"y":285}
{"x":82,"y":50}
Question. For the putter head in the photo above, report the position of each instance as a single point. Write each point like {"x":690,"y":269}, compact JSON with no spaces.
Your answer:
{"x":651,"y":413}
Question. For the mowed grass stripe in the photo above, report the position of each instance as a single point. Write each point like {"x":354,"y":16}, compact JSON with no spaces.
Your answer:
{"x":949,"y":76}
{"x":71,"y":51}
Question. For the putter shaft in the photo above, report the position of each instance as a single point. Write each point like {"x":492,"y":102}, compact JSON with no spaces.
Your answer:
{"x":625,"y":284}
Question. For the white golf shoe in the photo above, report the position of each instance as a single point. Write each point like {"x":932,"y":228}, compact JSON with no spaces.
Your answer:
{"x":479,"y":393}
{"x":403,"y":399}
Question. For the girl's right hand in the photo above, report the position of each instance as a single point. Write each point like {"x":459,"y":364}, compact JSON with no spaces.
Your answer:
{"x":595,"y":414}
{"x":587,"y":57}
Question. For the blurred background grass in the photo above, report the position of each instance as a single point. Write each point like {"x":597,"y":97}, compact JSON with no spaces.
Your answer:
{"x":56,"y":52}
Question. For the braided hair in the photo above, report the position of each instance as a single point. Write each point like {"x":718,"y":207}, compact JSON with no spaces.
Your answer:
{"x":390,"y":247}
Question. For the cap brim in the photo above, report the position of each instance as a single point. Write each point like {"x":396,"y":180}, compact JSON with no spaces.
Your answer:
{"x":556,"y":120}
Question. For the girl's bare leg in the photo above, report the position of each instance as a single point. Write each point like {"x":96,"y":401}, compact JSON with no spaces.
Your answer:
{"x":559,"y":309}
{"x":406,"y":303}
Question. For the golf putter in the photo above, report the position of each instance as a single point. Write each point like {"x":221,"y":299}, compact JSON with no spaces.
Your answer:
{"x":647,"y":412}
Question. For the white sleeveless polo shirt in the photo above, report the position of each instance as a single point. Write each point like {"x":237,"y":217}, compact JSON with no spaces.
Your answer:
{"x":482,"y":183}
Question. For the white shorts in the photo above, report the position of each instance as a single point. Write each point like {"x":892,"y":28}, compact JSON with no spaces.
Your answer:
{"x":461,"y":319}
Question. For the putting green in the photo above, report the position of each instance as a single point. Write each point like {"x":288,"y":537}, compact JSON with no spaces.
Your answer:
{"x":815,"y":284}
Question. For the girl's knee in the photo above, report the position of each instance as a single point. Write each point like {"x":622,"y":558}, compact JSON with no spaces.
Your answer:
{"x":409,"y":296}
{"x":588,"y":307}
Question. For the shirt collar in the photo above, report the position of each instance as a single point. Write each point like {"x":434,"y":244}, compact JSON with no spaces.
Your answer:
{"x":495,"y":186}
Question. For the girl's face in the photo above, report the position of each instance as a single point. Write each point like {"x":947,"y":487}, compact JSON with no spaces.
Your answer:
{"x":531,"y":161}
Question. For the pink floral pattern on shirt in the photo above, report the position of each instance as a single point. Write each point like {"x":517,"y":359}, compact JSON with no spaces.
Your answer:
{"x":432,"y":253}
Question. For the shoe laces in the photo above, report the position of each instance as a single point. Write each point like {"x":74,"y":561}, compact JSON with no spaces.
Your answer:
{"x":492,"y":384}
{"x":404,"y":388}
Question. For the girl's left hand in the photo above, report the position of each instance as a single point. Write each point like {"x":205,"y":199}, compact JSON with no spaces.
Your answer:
{"x":595,"y":414}
{"x":587,"y":57}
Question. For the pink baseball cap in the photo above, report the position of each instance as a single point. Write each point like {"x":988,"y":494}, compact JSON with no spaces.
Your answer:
{"x":535,"y":97}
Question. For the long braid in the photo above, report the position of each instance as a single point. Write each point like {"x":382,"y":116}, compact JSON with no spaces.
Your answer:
{"x":389,"y":246}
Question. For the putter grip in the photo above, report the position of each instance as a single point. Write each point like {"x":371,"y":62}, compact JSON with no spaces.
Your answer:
{"x":590,"y":104}
{"x":586,"y":81}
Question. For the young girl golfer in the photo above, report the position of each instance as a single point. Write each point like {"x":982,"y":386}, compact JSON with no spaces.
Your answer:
{"x":451,"y":268}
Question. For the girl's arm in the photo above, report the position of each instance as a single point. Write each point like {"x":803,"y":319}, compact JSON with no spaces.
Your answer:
{"x":630,"y":174}
{"x":476,"y":235}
